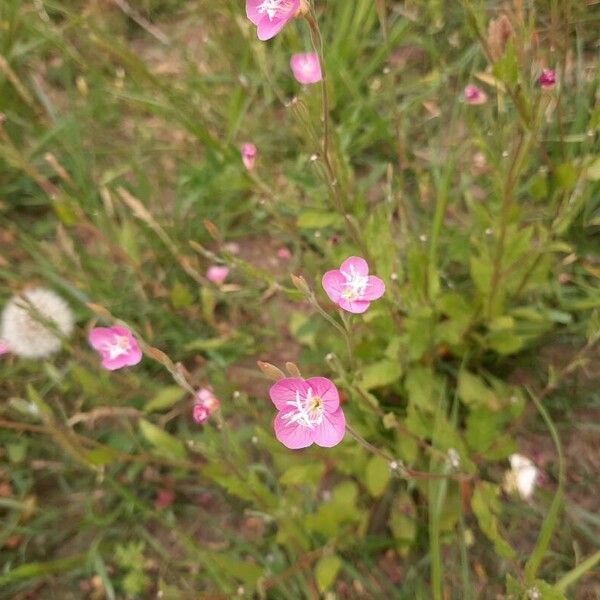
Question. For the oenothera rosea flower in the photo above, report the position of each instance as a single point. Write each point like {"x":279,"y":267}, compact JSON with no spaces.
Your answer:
{"x":117,"y":347}
{"x":306,"y":68}
{"x":547,"y":79}
{"x":206,"y":403}
{"x":351,"y":287}
{"x":271,"y":16}
{"x":217,"y":274}
{"x":309,"y":412}
{"x":249,"y":155}
{"x":474,"y":95}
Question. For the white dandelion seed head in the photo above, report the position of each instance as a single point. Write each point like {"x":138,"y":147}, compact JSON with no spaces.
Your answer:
{"x":30,"y":335}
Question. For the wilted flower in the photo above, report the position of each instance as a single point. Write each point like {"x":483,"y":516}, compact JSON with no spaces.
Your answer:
{"x":271,"y":16}
{"x":547,"y":79}
{"x":217,"y":274}
{"x":34,"y":322}
{"x":351,"y":287}
{"x":249,"y":155}
{"x":306,"y":68}
{"x":474,"y":95}
{"x":164,"y":498}
{"x":205,"y":405}
{"x":522,"y":477}
{"x":117,"y":346}
{"x":309,"y":412}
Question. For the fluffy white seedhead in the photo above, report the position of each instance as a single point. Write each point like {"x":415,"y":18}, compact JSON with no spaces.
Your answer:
{"x":27,"y":320}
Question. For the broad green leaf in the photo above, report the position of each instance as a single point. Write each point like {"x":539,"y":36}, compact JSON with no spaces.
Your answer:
{"x":313,"y":219}
{"x":164,"y":443}
{"x":326,"y":571}
{"x":165,"y":398}
{"x":381,"y":373}
{"x":304,"y":474}
{"x":377,"y":475}
{"x":402,"y":519}
{"x":474,"y":392}
{"x":486,"y":506}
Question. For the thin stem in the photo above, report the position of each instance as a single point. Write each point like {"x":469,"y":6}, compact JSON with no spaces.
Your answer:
{"x":333,"y":180}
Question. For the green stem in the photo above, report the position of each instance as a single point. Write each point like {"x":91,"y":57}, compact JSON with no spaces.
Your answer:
{"x":333,"y":180}
{"x":580,"y":570}
{"x":543,"y":542}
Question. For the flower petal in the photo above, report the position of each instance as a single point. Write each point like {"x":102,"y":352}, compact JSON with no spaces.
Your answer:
{"x":360,"y":265}
{"x":332,"y":430}
{"x":284,"y":391}
{"x":292,"y":435}
{"x":326,"y":390}
{"x":333,"y":283}
{"x":375,"y":289}
{"x":357,"y":307}
{"x":99,"y":336}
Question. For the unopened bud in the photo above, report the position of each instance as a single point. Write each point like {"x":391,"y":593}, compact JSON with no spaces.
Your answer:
{"x":300,"y":283}
{"x":270,"y":371}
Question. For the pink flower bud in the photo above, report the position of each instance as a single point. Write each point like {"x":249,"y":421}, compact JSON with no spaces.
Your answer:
{"x":475,"y":96}
{"x":306,"y":68}
{"x":217,"y":274}
{"x":249,"y":152}
{"x":547,"y":79}
{"x":284,"y":253}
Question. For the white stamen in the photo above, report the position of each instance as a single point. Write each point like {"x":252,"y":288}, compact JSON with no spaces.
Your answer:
{"x":273,"y":8}
{"x":117,"y":347}
{"x":356,"y":284}
{"x":308,"y":411}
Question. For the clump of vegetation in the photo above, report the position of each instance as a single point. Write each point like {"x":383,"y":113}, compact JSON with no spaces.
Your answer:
{"x":391,"y":208}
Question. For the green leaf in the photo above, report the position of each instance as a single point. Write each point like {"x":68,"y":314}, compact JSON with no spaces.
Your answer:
{"x":402,"y":519}
{"x":474,"y":392}
{"x":162,"y":441}
{"x":242,"y":570}
{"x":165,"y":398}
{"x":307,"y":473}
{"x":593,"y":170}
{"x":486,"y":506}
{"x":507,"y":67}
{"x":181,"y":297}
{"x":377,"y":476}
{"x":326,"y":571}
{"x":381,"y":373}
{"x":314,"y":219}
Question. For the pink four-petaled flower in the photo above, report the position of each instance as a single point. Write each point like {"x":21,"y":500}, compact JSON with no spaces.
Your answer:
{"x":351,"y":287}
{"x":309,"y":412}
{"x":249,"y":155}
{"x":271,"y":16}
{"x":547,"y":79}
{"x":117,"y":346}
{"x":474,"y":95}
{"x":306,"y":68}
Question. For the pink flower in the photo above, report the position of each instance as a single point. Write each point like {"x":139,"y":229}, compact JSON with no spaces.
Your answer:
{"x":4,"y":349}
{"x":117,"y":346}
{"x":249,"y":155}
{"x":217,"y":274}
{"x":283,"y":253}
{"x":351,"y":287}
{"x":271,"y":16}
{"x":306,"y":68}
{"x":547,"y":79}
{"x":206,"y":404}
{"x":475,"y":96}
{"x":309,"y":412}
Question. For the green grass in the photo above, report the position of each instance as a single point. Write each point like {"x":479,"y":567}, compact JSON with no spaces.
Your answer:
{"x":121,"y":182}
